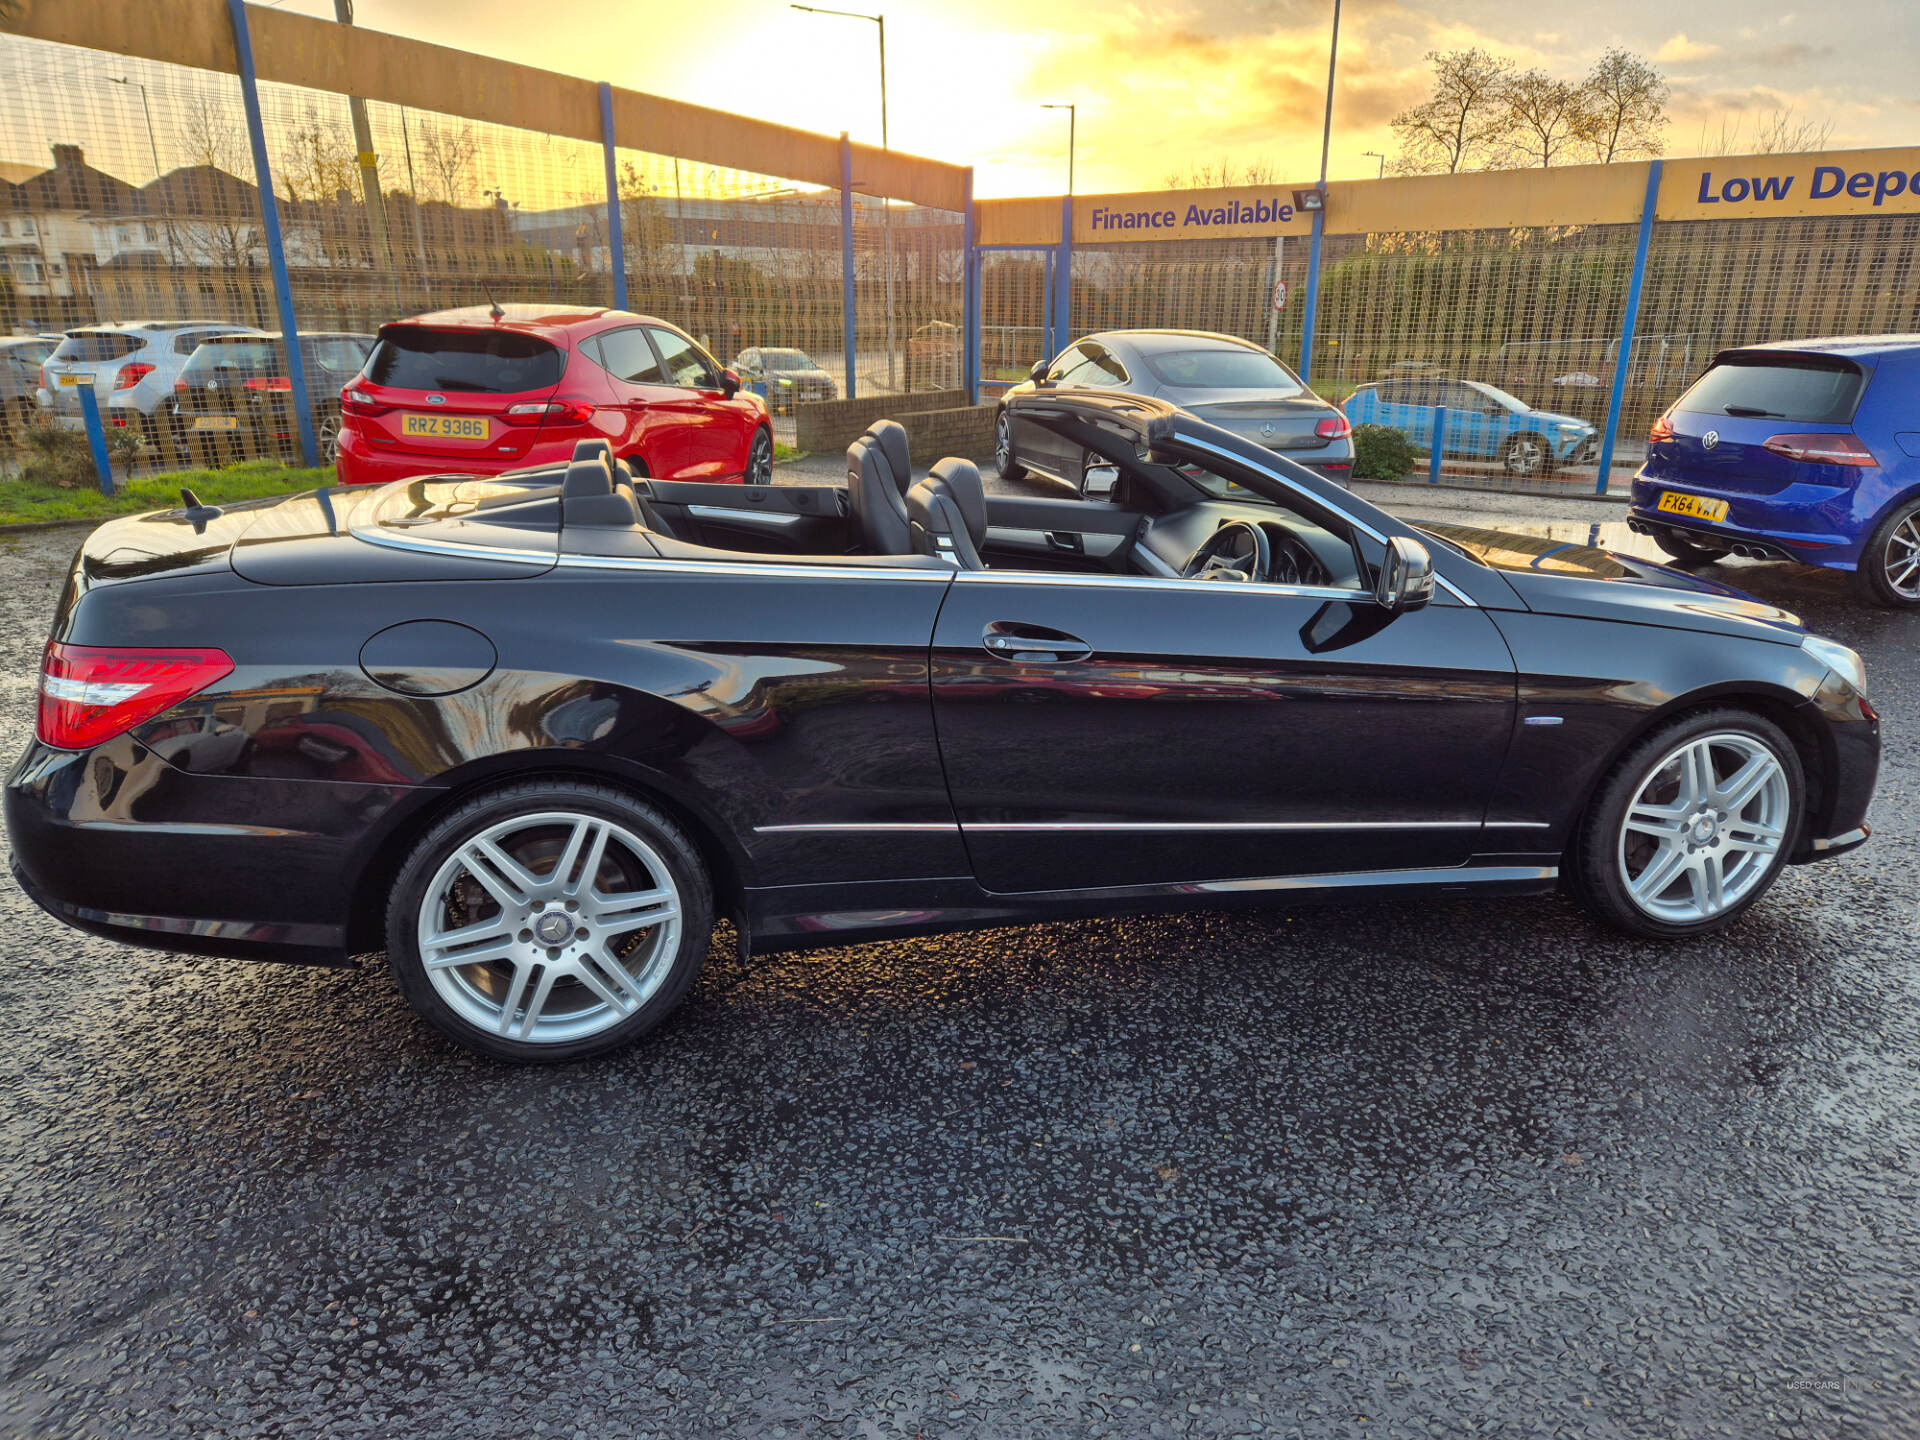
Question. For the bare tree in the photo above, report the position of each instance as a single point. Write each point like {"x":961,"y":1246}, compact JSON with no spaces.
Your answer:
{"x":1623,"y":103}
{"x":218,"y":225}
{"x":1464,"y":121}
{"x":1202,"y":175}
{"x":1778,"y":132}
{"x":319,"y":172}
{"x":1544,"y":117}
{"x":448,"y":155}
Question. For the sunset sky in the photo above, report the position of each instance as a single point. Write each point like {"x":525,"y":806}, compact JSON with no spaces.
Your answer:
{"x":1160,"y":86}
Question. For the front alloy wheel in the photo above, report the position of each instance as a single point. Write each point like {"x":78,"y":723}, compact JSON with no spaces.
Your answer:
{"x":1692,"y":825}
{"x":760,"y":459}
{"x":1524,"y":455}
{"x":1003,"y":457}
{"x":549,"y":922}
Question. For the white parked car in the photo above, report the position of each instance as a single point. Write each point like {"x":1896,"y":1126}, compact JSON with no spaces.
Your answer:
{"x":131,"y":367}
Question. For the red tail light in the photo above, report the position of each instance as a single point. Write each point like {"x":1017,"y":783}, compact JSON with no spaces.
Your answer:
{"x":1822,"y":449}
{"x":358,"y":402}
{"x":1661,"y":429}
{"x":131,"y":375}
{"x":550,"y":412}
{"x":89,"y":693}
{"x":180,"y":385}
{"x":43,"y":379}
{"x":1334,"y":427}
{"x":273,"y":382}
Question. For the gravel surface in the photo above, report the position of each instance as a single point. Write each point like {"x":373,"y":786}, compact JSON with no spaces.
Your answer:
{"x":1424,"y":1169}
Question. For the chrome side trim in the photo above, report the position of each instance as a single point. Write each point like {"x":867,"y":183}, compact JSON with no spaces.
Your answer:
{"x":1359,"y":879}
{"x":377,"y":535}
{"x":1147,"y":826}
{"x":1134,"y":582}
{"x":776,"y":519}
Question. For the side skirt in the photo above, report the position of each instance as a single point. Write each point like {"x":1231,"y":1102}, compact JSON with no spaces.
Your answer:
{"x":804,"y":917}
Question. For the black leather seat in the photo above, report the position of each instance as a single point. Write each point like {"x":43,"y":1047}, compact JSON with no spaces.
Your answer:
{"x":947,"y":512}
{"x":879,"y":514}
{"x":890,"y":437}
{"x":589,"y":496}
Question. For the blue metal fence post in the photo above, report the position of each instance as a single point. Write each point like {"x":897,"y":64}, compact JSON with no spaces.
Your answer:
{"x":846,"y":259}
{"x":1049,"y":261}
{"x":1063,"y":280}
{"x":1439,"y":445}
{"x":1313,"y":298}
{"x":1627,"y":322}
{"x":969,"y":301}
{"x":270,"y":225}
{"x":616,"y":240}
{"x":96,"y":436}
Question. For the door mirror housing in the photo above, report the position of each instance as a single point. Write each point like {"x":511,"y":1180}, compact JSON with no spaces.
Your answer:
{"x":729,"y":384}
{"x":1038,"y":374}
{"x":1099,"y":482}
{"x":1405,"y":581}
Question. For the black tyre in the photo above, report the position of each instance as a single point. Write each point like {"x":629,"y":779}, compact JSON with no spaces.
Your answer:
{"x":1003,"y":457}
{"x":1889,"y":570}
{"x":1526,"y":454}
{"x":1691,"y":826}
{"x":549,"y":921}
{"x":1685,"y":550}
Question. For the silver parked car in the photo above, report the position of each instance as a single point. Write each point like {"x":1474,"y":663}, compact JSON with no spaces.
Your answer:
{"x":786,"y":377}
{"x":131,"y":367}
{"x":21,"y":357}
{"x":1220,"y":379}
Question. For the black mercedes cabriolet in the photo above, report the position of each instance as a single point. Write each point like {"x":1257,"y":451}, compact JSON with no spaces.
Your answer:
{"x":531,"y":735}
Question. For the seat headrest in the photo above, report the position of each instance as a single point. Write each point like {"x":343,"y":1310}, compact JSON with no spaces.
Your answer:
{"x":588,"y":449}
{"x":938,"y":527}
{"x":960,"y":480}
{"x":891,"y":437}
{"x":591,"y":474}
{"x":878,"y":508}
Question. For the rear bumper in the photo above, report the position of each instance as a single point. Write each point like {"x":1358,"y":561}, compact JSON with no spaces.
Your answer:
{"x":117,"y":842}
{"x":363,"y":463}
{"x":1820,"y":525}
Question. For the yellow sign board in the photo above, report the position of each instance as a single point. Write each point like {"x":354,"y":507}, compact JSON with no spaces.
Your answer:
{"x":1241,"y":213}
{"x":1756,"y":187}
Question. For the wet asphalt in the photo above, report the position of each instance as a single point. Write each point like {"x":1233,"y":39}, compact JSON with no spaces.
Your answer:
{"x":1396,"y":1170}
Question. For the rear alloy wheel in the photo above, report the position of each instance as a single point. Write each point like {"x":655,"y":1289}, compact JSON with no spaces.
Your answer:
{"x":1889,"y":569}
{"x":1687,"y":551}
{"x":326,"y":436}
{"x":1692,"y":825}
{"x":1003,"y":461}
{"x":760,"y":458}
{"x":551,"y":921}
{"x":1524,"y":455}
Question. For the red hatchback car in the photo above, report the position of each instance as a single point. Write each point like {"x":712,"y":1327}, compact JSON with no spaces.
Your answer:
{"x":482,"y":390}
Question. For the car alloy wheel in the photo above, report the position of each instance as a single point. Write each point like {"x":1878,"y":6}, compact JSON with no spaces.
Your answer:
{"x":1900,"y":558}
{"x":1524,"y":455}
{"x":549,"y":928}
{"x":326,"y":436}
{"x":1704,"y":826}
{"x":1003,"y":461}
{"x":760,"y":459}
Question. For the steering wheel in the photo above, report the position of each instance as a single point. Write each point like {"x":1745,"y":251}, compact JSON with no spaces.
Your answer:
{"x":1236,"y":551}
{"x":1294,"y":562}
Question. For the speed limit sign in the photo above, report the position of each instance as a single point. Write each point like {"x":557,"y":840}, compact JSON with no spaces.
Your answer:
{"x":1279,"y":294}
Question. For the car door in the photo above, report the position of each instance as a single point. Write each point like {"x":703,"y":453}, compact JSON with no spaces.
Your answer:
{"x":1470,"y":429}
{"x":639,"y":392}
{"x":1104,"y":730}
{"x":1040,"y":448}
{"x":712,"y":431}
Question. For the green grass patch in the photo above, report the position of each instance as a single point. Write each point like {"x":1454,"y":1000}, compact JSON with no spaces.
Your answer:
{"x":24,"y":501}
{"x":784,"y":451}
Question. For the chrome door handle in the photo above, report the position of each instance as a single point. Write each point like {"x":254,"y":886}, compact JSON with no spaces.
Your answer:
{"x":1032,"y":644}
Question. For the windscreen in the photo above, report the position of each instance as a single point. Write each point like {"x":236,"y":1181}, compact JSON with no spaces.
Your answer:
{"x":785,"y":360}
{"x":246,"y":355}
{"x":1223,"y":369}
{"x":1811,"y":389}
{"x":90,"y":347}
{"x":484,"y":362}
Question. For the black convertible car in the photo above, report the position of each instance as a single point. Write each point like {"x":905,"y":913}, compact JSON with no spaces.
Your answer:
{"x":532,"y":735}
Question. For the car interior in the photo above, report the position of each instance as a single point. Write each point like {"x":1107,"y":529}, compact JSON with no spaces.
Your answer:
{"x":1135,"y":517}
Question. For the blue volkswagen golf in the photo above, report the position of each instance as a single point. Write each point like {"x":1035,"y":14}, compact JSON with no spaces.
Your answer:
{"x":1804,"y":450}
{"x":1483,"y":422}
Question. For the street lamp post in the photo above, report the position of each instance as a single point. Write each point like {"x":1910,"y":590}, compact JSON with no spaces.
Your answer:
{"x":886,"y":210}
{"x":1376,"y":155}
{"x":1073,"y":119}
{"x":1333,"y":57}
{"x":166,"y":205}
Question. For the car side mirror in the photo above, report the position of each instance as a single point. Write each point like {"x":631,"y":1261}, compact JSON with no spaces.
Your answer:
{"x":729,"y":384}
{"x":1038,"y":374}
{"x":1405,"y":581}
{"x":1099,"y":482}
